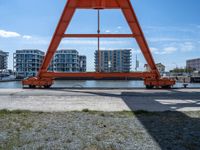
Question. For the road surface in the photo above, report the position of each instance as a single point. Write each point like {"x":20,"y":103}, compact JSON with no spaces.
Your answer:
{"x":53,"y":100}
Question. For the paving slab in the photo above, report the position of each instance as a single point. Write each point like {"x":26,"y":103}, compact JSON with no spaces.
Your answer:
{"x":53,"y":100}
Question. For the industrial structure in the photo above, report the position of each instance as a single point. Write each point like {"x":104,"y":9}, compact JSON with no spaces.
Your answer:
{"x":113,"y":60}
{"x":45,"y":78}
{"x":193,"y":64}
{"x":3,"y":60}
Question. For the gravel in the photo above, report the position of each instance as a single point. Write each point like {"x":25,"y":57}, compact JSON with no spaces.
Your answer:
{"x":90,"y":130}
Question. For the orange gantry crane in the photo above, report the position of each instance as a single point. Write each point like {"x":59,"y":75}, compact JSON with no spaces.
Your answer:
{"x":151,"y":79}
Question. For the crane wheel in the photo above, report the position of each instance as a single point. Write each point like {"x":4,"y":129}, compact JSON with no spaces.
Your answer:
{"x":166,"y":87}
{"x":32,"y":86}
{"x":47,"y":86}
{"x":149,"y":86}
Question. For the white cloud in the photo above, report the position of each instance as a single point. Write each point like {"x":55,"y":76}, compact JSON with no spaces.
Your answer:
{"x":169,"y":50}
{"x":8,"y":34}
{"x":27,"y":37}
{"x":119,"y":27}
{"x":170,"y":28}
{"x":165,"y":39}
{"x":153,"y":49}
{"x":107,"y":31}
{"x":135,"y":51}
{"x":11,"y":34}
{"x":105,"y":42}
{"x":77,"y":41}
{"x":36,"y":40}
{"x":163,"y":51}
{"x":187,"y":46}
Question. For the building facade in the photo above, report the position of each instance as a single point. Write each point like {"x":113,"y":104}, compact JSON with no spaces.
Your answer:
{"x":113,"y":60}
{"x":82,"y":63}
{"x":27,"y":62}
{"x":160,"y":67}
{"x":69,"y":61}
{"x":193,"y":64}
{"x":3,"y":60}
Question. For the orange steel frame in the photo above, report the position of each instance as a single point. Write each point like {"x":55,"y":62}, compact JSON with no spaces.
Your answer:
{"x":46,"y":78}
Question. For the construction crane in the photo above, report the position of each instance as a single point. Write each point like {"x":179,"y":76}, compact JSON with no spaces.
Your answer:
{"x":151,"y":79}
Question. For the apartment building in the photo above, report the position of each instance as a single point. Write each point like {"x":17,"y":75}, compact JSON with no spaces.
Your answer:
{"x":69,"y":61}
{"x":160,"y":67}
{"x":3,"y":60}
{"x":27,"y":62}
{"x":82,"y":63}
{"x":113,"y":60}
{"x":193,"y":64}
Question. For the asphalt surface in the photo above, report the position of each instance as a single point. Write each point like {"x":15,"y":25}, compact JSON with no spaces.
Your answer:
{"x":58,"y":100}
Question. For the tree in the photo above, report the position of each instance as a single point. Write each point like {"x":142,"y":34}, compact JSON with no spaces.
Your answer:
{"x":182,"y":70}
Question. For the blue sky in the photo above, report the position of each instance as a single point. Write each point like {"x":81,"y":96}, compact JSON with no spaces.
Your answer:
{"x":171,"y":27}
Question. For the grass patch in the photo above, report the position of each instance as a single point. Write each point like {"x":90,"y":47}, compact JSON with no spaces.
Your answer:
{"x":144,"y":112}
{"x":120,"y":113}
{"x":135,"y":113}
{"x":7,"y":112}
{"x":92,"y":112}
{"x":85,"y":110}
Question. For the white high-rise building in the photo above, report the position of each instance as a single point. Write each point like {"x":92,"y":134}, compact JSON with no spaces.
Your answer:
{"x":27,"y":62}
{"x":67,"y":60}
{"x":113,"y":60}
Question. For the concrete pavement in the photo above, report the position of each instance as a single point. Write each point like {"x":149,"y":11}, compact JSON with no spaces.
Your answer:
{"x":100,"y":100}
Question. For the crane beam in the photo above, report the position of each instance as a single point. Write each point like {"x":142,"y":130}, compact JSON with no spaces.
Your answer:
{"x":99,"y":35}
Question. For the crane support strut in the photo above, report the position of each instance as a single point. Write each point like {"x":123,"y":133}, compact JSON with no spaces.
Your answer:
{"x":151,"y":79}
